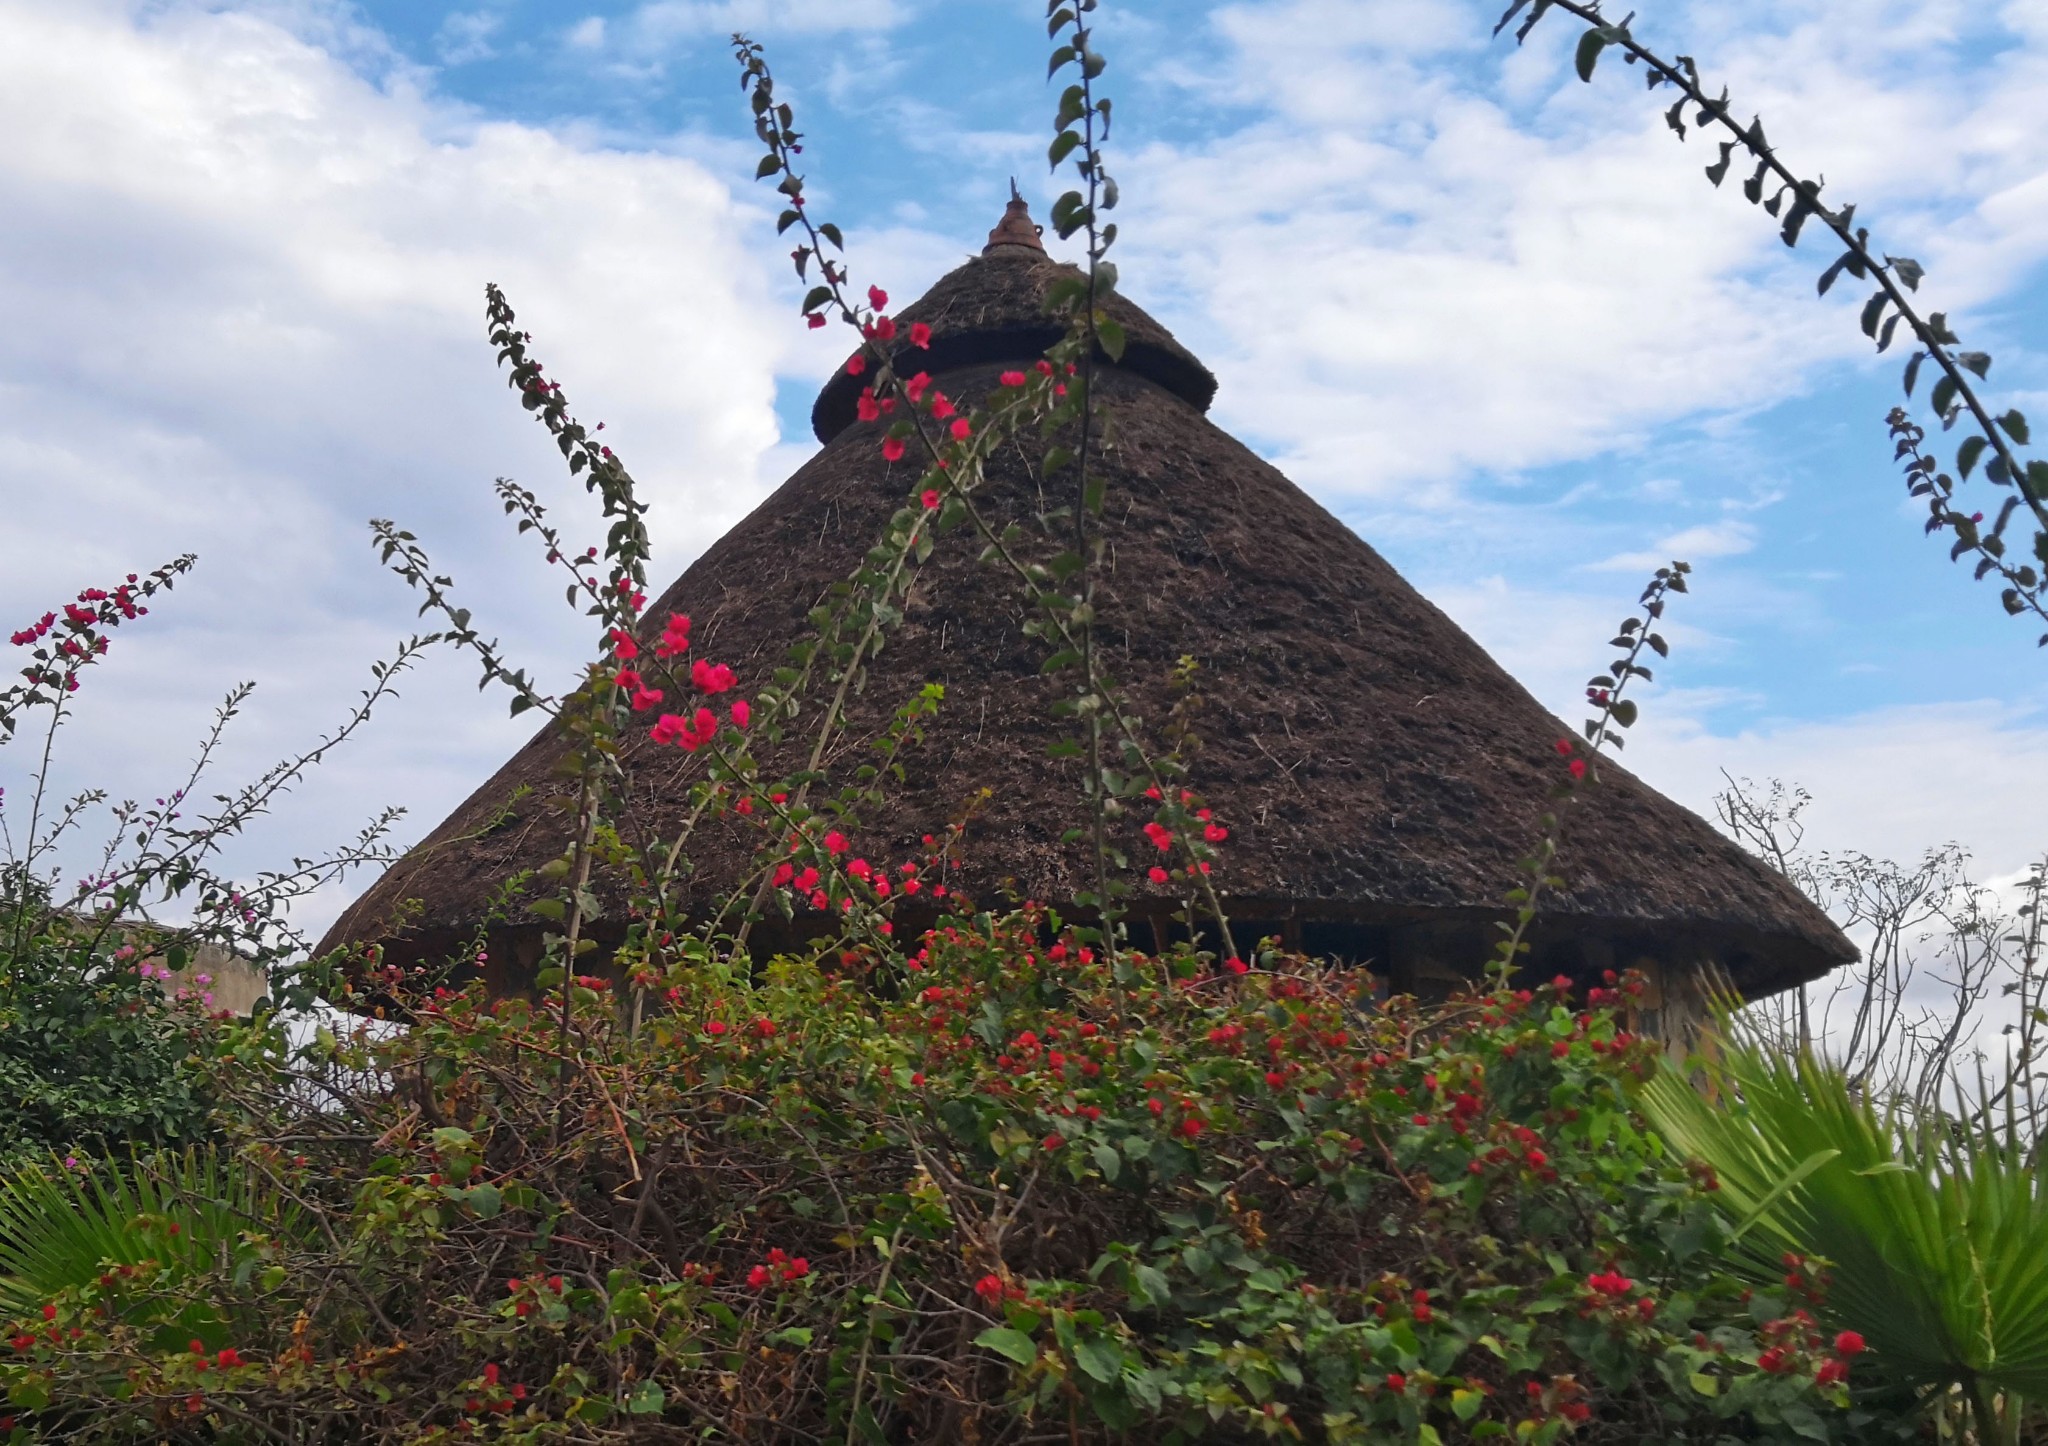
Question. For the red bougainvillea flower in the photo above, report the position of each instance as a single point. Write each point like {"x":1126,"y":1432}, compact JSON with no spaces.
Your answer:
{"x":1396,"y":1382}
{"x":1160,"y":834}
{"x":711,"y":677}
{"x":920,"y":336}
{"x":765,"y":1028}
{"x":942,"y":406}
{"x":814,"y":320}
{"x":884,"y":329}
{"x":624,"y":648}
{"x":1578,"y":768}
{"x":1564,"y":745}
{"x":668,"y":728}
{"x":836,"y":844}
{"x":1236,"y":965}
{"x":675,"y":636}
{"x":758,"y":1277}
{"x":867,"y":408}
{"x":715,"y":1028}
{"x":930,"y":499}
{"x":1830,"y":1372}
{"x":1012,"y":379}
{"x":878,"y":298}
{"x":1215,"y":833}
{"x":1191,"y":1127}
{"x":989,"y":1288}
{"x":645,"y":698}
{"x":1610,"y":1282}
{"x":1158,"y":875}
{"x":856,"y":364}
{"x":892,"y":449}
{"x":962,"y":429}
{"x":917,"y":386}
{"x":1849,"y":1343}
{"x":742,"y":714}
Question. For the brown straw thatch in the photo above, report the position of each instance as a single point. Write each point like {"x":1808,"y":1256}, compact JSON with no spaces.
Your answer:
{"x":1380,"y":774}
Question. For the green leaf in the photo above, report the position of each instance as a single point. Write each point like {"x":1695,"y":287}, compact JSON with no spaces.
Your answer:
{"x":1111,"y":334}
{"x":647,"y":1399}
{"x":1005,"y":1342}
{"x":1907,"y":270}
{"x":1873,"y":309}
{"x":831,"y":233}
{"x":1705,"y":1384}
{"x":2015,"y":426}
{"x":1974,"y":361}
{"x":1063,"y":56}
{"x":1062,"y":146}
{"x":770,"y":164}
{"x":1108,"y":1161}
{"x":1623,"y":711}
{"x":1913,"y":370}
{"x":1102,"y":1361}
{"x":1944,"y":395}
{"x":1590,"y":46}
{"x":1967,"y":455}
{"x":816,"y":297}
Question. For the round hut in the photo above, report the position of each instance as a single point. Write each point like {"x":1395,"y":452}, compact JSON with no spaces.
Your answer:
{"x":1379,"y":773}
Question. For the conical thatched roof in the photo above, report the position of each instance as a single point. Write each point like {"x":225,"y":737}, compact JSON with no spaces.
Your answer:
{"x":1379,"y":772}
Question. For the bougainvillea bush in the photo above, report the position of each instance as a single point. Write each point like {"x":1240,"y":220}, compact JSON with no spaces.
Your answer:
{"x":998,"y":1190}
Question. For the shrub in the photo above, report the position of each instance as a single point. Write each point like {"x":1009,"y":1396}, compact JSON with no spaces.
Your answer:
{"x":1001,"y":1189}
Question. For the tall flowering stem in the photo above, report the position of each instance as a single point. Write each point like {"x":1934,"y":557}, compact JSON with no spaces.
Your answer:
{"x":954,"y":447}
{"x":1611,"y":712}
{"x":1794,"y":201}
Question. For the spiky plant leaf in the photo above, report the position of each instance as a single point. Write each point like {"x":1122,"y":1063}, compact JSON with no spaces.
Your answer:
{"x":1937,"y":1237}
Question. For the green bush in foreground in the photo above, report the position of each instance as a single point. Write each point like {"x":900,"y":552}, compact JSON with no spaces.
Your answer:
{"x":999,"y":1191}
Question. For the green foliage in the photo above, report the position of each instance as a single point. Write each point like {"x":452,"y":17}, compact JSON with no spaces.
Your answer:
{"x":1005,"y":1186}
{"x":93,"y":1059}
{"x":1936,"y":1238}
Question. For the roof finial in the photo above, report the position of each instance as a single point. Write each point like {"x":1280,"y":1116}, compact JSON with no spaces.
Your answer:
{"x":1016,"y":229}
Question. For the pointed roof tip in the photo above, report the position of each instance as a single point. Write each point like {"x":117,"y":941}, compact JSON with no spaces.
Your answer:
{"x":1016,"y":228}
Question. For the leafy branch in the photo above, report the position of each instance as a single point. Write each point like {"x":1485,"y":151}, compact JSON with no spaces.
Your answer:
{"x":1794,"y":201}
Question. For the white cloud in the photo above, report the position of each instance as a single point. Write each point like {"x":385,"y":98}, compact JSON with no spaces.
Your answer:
{"x":465,"y":36}
{"x":664,"y":21}
{"x":1502,"y":294}
{"x":1713,"y":539}
{"x":588,"y":33}
{"x":244,"y":287}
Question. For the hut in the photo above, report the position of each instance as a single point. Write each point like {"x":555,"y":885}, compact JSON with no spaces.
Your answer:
{"x":1378,"y":771}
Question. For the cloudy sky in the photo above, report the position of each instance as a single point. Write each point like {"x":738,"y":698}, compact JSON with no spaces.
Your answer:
{"x":1495,"y":319}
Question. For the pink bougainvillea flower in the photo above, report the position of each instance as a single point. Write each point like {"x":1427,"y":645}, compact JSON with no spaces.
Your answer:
{"x":878,"y":298}
{"x":892,"y":449}
{"x":814,"y":320}
{"x":710,"y":677}
{"x":645,"y":698}
{"x":916,"y":387}
{"x":1013,"y":379}
{"x":942,"y":406}
{"x":962,"y":429}
{"x":742,"y":713}
{"x":1564,"y":745}
{"x":675,"y":636}
{"x":1578,"y":768}
{"x":1160,"y":834}
{"x":668,"y":728}
{"x":920,"y":336}
{"x":930,"y":499}
{"x":856,"y":364}
{"x":624,"y":648}
{"x":884,"y":329}
{"x":867,"y":408}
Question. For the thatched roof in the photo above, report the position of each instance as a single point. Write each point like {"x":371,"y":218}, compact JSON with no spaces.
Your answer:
{"x":1378,"y":770}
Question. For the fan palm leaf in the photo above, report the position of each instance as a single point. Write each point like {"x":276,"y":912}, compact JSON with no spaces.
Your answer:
{"x":1937,"y":1239}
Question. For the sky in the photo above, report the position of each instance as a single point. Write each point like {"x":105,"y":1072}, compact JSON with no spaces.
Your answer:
{"x":1494,"y":319}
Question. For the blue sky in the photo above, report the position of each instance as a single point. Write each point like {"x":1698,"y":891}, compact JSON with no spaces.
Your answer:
{"x":1495,"y":320}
